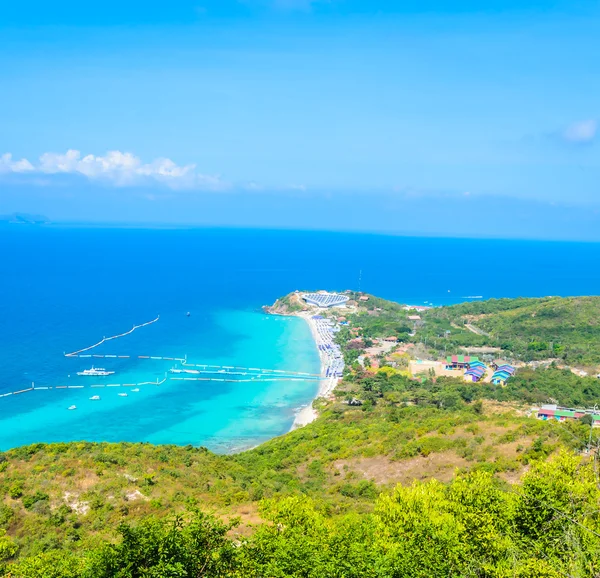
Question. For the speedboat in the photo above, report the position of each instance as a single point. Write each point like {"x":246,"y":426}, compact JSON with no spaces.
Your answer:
{"x":122,"y":394}
{"x":72,"y":407}
{"x":95,"y":371}
{"x":95,"y":397}
{"x":136,"y":389}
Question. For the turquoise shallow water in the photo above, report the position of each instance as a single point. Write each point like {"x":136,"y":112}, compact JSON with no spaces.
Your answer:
{"x":221,"y":416}
{"x":64,"y":288}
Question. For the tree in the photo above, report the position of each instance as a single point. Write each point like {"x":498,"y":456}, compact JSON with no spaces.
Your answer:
{"x":159,"y":549}
{"x":8,"y":548}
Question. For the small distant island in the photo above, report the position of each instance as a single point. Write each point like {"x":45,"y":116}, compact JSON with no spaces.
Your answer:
{"x":24,"y":219}
{"x":445,"y":441}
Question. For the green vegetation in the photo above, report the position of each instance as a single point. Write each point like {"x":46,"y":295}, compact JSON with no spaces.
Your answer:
{"x":550,"y":385}
{"x":398,"y":477}
{"x":528,"y":329}
{"x":291,"y":303}
{"x":547,"y":386}
{"x":562,"y":328}
{"x":380,"y":318}
{"x":73,"y":497}
{"x":546,"y":527}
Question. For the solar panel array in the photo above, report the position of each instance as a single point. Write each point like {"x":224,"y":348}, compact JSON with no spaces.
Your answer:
{"x":325,"y":299}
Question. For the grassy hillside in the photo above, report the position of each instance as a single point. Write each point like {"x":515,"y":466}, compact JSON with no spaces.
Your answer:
{"x":73,"y":496}
{"x":529,"y":329}
{"x":562,"y":328}
{"x":393,"y":467}
{"x":545,"y":527}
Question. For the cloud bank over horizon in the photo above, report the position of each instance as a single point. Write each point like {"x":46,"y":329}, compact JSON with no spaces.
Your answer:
{"x":116,"y":168}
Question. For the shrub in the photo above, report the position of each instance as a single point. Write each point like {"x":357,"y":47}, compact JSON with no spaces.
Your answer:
{"x":8,"y":548}
{"x":16,"y":490}
{"x":6,"y":515}
{"x":29,"y":501}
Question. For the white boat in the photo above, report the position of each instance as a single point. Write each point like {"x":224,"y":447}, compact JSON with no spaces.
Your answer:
{"x":95,"y":397}
{"x":122,"y":394}
{"x":72,"y":407}
{"x":96,"y":371}
{"x":136,"y":389}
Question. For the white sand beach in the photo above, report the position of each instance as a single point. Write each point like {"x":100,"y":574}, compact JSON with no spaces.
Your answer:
{"x":326,"y":386}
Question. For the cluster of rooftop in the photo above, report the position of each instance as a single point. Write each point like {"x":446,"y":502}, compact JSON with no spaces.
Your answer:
{"x":552,"y":411}
{"x":502,"y":373}
{"x":460,"y":361}
{"x":325,"y":300}
{"x":476,"y":371}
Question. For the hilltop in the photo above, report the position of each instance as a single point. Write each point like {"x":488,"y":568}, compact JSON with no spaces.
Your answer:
{"x":562,"y":328}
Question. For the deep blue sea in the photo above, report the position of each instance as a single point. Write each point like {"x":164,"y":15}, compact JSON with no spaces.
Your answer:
{"x":65,"y":288}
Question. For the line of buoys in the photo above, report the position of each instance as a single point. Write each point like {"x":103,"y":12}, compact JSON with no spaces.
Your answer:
{"x":96,"y":385}
{"x":112,"y":356}
{"x":237,"y":380}
{"x":185,"y":364}
{"x":281,"y":375}
{"x":205,"y":366}
{"x":105,"y":339}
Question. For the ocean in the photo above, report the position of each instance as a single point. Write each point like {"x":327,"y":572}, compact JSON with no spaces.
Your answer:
{"x":64,"y":288}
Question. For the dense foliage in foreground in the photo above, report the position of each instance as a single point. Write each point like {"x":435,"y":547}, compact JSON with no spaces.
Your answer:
{"x":63,"y":500}
{"x":549,"y":526}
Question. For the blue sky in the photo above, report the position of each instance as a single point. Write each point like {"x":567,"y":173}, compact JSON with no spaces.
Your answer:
{"x":431,"y":117}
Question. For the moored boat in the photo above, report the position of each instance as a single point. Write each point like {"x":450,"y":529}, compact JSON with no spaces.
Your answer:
{"x":95,"y":371}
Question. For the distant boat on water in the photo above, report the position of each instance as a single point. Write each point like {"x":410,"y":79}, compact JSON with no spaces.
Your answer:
{"x":122,"y":394}
{"x":95,"y":397}
{"x":71,"y":407}
{"x":95,"y":371}
{"x":136,"y":389}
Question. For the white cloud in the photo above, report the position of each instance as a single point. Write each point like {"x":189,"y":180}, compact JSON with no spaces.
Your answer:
{"x":116,"y":167}
{"x":7,"y":165}
{"x":583,"y":131}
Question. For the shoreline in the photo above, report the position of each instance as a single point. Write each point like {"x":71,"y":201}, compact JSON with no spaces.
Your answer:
{"x":308,"y":414}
